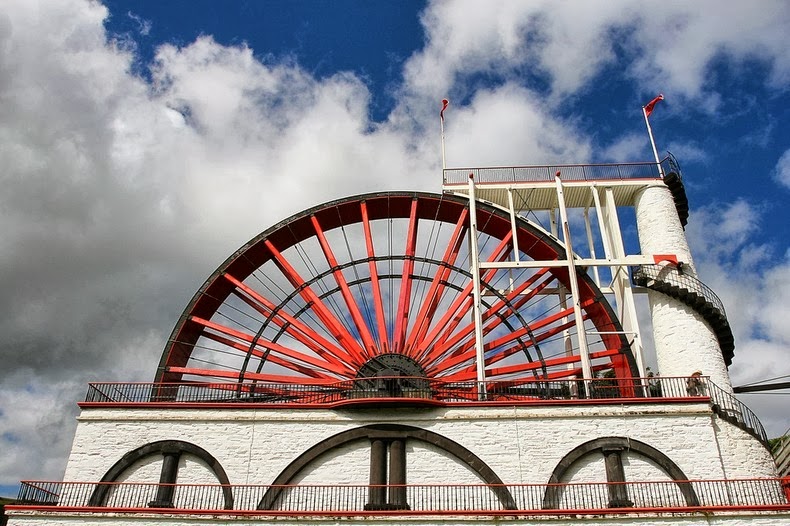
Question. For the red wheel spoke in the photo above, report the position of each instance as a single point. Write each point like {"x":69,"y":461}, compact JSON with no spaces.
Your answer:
{"x":538,"y":338}
{"x":257,"y":377}
{"x":500,"y":254}
{"x":468,"y":330}
{"x":243,"y":336}
{"x":469,"y":373}
{"x":404,"y":301}
{"x":463,"y":354}
{"x":457,"y":311}
{"x":293,"y":327}
{"x":272,"y":358}
{"x":552,"y":362}
{"x":336,"y":328}
{"x":348,"y":297}
{"x":535,"y":326}
{"x":438,"y":285}
{"x":381,"y":320}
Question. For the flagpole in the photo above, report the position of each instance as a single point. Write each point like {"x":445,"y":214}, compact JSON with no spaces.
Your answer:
{"x":445,"y":103}
{"x":652,"y":141}
{"x":444,"y":160}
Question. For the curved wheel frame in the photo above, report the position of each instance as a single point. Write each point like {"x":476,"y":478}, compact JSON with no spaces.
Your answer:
{"x":314,"y":298}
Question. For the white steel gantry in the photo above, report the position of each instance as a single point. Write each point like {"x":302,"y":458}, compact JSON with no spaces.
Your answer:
{"x":554,"y":190}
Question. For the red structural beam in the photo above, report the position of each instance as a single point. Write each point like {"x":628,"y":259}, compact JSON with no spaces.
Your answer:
{"x":378,"y":303}
{"x":300,"y":331}
{"x":438,"y":286}
{"x":336,"y":328}
{"x":345,"y":291}
{"x":404,"y":300}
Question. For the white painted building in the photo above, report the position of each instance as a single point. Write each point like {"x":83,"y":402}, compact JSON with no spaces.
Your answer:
{"x":412,"y":358}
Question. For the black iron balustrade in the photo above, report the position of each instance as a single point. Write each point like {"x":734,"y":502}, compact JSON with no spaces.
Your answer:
{"x":686,"y":288}
{"x":733,"y":410}
{"x":405,"y":389}
{"x":570,"y":172}
{"x":669,"y":165}
{"x":472,"y":499}
{"x":426,"y":390}
{"x":672,"y":276}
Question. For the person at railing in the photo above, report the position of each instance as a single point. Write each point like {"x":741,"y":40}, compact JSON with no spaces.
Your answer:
{"x":694,"y":385}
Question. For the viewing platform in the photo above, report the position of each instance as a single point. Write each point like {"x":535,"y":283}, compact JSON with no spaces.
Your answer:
{"x":493,"y":183}
{"x":405,"y":391}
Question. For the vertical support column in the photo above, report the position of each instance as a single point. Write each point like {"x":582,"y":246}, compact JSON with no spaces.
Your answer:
{"x":615,"y":475}
{"x":621,"y":282}
{"x":513,"y":232}
{"x":377,"y":493}
{"x":562,"y":293}
{"x":474,"y":258}
{"x":591,"y":245}
{"x":581,"y":333}
{"x":167,"y":479}
{"x":684,"y":341}
{"x":397,"y":488}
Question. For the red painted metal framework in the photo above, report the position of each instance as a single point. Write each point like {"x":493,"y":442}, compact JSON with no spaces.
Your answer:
{"x":320,"y":295}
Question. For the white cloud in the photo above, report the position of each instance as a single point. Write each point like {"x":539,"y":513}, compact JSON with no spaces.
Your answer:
{"x":143,"y":25}
{"x":782,"y":170}
{"x":689,"y":152}
{"x":120,"y":198}
{"x":670,"y":47}
{"x":752,"y":282}
{"x":507,"y":126}
{"x":625,"y":149}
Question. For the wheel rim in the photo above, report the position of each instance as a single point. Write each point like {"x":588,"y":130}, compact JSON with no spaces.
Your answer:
{"x":315,"y":298}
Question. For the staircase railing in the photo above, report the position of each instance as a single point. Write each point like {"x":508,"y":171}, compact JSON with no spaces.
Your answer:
{"x":736,"y":412}
{"x":694,"y":293}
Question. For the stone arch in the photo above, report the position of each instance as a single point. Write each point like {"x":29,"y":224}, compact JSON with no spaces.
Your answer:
{"x":388,"y":432}
{"x":164,"y":448}
{"x":551,"y":497}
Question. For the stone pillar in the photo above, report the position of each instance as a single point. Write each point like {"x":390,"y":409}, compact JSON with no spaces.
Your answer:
{"x":683,"y":341}
{"x":167,"y":477}
{"x":377,"y":494}
{"x":397,"y":497}
{"x":615,"y":475}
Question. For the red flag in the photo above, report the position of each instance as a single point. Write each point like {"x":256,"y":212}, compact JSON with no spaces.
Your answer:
{"x":445,"y":102}
{"x":649,"y":106}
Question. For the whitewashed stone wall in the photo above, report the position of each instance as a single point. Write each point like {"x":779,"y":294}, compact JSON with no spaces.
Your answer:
{"x":741,"y":455}
{"x":684,"y":342}
{"x":521,"y":444}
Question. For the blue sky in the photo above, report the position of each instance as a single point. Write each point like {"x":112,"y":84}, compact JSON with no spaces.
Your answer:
{"x":143,"y":142}
{"x":732,"y":126}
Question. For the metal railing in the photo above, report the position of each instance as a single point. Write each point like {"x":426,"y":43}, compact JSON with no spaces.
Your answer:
{"x":671,"y":276}
{"x":732,"y":409}
{"x":419,"y":498}
{"x":670,"y":165}
{"x":570,"y":172}
{"x":674,"y":282}
{"x":406,"y":389}
{"x":409,"y":390}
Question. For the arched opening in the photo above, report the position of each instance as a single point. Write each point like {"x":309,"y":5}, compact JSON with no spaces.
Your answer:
{"x":611,"y":449}
{"x":380,"y":436}
{"x":171,"y":451}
